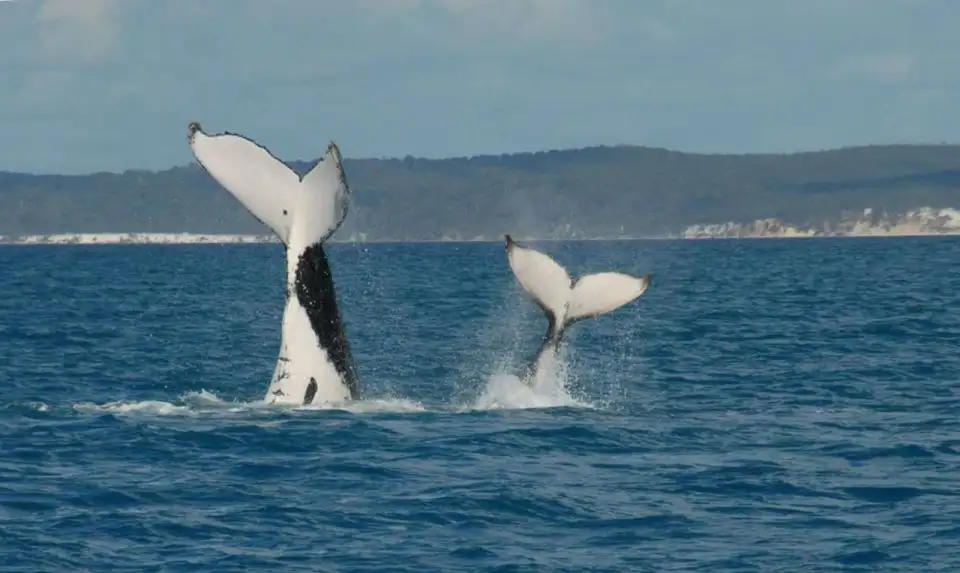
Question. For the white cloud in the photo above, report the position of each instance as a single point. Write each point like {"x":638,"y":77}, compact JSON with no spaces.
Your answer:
{"x":889,"y":68}
{"x":441,"y":77}
{"x":84,"y":30}
{"x":43,"y":88}
{"x":485,"y":26}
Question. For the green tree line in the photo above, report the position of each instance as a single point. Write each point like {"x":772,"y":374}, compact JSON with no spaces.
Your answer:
{"x":590,"y":192}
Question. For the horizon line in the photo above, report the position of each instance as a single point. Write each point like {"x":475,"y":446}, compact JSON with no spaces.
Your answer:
{"x":268,"y":239}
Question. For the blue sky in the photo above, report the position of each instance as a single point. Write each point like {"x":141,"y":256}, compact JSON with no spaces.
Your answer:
{"x":89,"y":85}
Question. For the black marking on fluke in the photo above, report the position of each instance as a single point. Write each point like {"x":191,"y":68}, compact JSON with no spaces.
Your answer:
{"x":315,"y":292}
{"x":311,"y":391}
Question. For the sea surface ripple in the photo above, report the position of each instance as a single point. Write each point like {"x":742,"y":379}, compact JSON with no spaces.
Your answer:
{"x":783,"y":405}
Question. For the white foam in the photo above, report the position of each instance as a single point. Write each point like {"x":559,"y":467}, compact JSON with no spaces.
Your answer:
{"x":190,"y":404}
{"x":501,"y":391}
{"x":370,"y":406}
{"x":549,"y":389}
{"x":203,"y":403}
{"x":508,"y":392}
{"x":156,"y":407}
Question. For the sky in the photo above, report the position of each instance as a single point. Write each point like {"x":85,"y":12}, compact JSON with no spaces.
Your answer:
{"x":110,"y":85}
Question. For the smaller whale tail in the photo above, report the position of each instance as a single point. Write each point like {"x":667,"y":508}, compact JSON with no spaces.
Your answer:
{"x":564,"y":300}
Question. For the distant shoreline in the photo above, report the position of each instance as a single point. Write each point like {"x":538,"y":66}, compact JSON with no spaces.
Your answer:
{"x":103,"y":239}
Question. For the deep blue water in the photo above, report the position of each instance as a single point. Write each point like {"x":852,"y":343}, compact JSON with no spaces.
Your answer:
{"x":766,"y":406}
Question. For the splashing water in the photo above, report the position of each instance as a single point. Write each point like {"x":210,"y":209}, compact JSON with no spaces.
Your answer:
{"x":508,"y":392}
{"x":547,"y":389}
{"x":502,"y":391}
{"x":208,"y":403}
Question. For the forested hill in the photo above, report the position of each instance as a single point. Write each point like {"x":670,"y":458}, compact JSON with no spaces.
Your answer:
{"x":592,"y":192}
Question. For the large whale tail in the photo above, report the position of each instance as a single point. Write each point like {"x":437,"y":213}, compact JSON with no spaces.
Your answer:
{"x":566,"y":301}
{"x":301,"y":211}
{"x":315,"y":361}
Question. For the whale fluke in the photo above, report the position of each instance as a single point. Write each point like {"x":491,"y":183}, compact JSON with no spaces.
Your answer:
{"x":566,"y":301}
{"x":299,"y":210}
{"x":315,"y":361}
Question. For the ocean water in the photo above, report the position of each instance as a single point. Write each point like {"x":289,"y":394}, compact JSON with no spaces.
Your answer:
{"x":783,"y":405}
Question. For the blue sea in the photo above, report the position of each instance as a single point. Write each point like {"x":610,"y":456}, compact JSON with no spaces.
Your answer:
{"x":767,"y":405}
